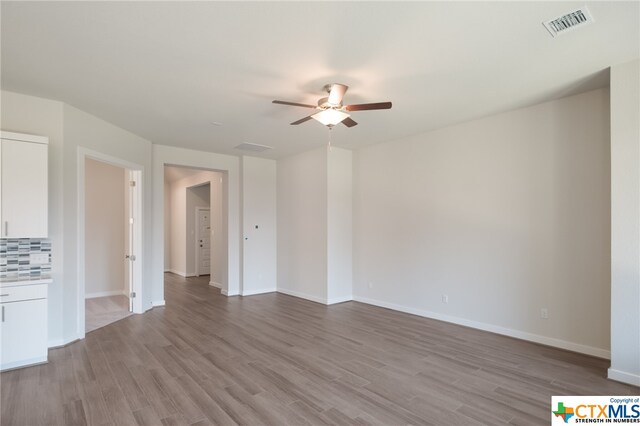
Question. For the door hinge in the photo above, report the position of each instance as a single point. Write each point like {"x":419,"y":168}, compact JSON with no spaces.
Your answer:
{"x":132,"y":294}
{"x":130,"y":256}
{"x":131,"y":183}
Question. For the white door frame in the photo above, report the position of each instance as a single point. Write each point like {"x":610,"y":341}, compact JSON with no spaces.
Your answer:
{"x":137,"y":171}
{"x":197,"y":222}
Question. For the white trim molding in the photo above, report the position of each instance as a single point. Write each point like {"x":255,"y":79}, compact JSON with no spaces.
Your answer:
{"x":182,"y":274}
{"x":259,"y":291}
{"x":341,"y":299}
{"x":105,"y":294}
{"x":64,"y":342}
{"x":302,"y":295}
{"x":549,"y":341}
{"x":215,"y":284}
{"x":158,"y":303}
{"x":624,"y":377}
{"x":316,"y":299}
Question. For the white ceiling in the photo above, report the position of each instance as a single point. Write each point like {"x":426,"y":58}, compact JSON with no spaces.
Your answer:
{"x":167,"y":70}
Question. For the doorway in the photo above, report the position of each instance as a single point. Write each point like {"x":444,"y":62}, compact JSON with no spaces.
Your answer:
{"x":109,"y":240}
{"x":196,"y":242}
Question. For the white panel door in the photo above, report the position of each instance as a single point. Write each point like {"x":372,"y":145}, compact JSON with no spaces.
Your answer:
{"x":23,"y":189}
{"x":204,"y":242}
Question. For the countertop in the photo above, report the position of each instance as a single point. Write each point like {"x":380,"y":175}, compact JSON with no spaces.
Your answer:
{"x":11,"y":282}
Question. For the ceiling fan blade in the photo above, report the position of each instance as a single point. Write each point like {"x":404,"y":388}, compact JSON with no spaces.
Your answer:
{"x":294,"y":104}
{"x":337,"y":93}
{"x":365,"y":107}
{"x":302,"y":120}
{"x":349,"y":122}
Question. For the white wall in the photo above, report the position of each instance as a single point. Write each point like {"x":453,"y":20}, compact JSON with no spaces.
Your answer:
{"x":505,"y":215}
{"x":32,"y":115}
{"x":625,"y":223}
{"x":302,"y":225}
{"x":104,"y":229}
{"x":314,"y":193}
{"x":339,"y":225}
{"x":166,"y":155}
{"x":259,"y":225}
{"x":167,"y":225}
{"x":178,"y":225}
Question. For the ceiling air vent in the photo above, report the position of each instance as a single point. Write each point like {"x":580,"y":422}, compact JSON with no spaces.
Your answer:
{"x":253,"y":147}
{"x":572,"y":20}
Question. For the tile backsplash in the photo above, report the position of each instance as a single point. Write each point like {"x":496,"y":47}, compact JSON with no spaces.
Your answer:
{"x":25,"y":258}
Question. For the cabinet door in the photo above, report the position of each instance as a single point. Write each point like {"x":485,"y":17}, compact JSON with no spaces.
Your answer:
{"x":23,"y":189}
{"x":23,"y":333}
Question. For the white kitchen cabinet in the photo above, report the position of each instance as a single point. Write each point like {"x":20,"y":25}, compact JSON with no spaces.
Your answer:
{"x":23,"y":330}
{"x":23,"y":186}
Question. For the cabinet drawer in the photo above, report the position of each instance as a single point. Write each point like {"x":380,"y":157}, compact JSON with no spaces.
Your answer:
{"x":23,"y":292}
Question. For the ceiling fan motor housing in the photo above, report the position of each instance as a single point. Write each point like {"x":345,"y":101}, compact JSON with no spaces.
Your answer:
{"x":324,"y":103}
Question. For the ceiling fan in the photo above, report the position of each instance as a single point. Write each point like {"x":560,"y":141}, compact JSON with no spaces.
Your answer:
{"x":332,"y":111}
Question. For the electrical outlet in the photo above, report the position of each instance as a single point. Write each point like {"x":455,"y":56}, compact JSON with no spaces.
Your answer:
{"x":544,"y":313}
{"x":39,"y":258}
{"x":445,"y":298}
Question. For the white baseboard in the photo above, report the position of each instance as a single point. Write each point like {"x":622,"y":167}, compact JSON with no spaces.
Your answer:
{"x":182,"y":274}
{"x":23,"y":363}
{"x":58,"y":343}
{"x":226,"y":293}
{"x":316,"y":299}
{"x":215,"y":284}
{"x":259,"y":291}
{"x":622,"y":376}
{"x":341,"y":299}
{"x":105,"y":294}
{"x":157,"y":303}
{"x":52,"y":344}
{"x":167,"y":270}
{"x":303,"y":295}
{"x":549,"y":341}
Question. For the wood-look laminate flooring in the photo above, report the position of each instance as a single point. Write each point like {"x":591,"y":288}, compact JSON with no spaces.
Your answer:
{"x":274,"y":360}
{"x":101,"y":311}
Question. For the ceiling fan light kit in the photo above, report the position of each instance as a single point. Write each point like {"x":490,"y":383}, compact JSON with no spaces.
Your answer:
{"x":330,"y":117}
{"x":332,"y":111}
